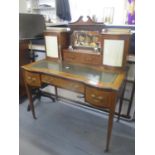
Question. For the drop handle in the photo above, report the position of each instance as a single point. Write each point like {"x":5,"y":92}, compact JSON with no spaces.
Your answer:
{"x":93,"y":95}
{"x":29,"y":78}
{"x":33,"y":79}
{"x":97,"y":97}
{"x":100,"y":98}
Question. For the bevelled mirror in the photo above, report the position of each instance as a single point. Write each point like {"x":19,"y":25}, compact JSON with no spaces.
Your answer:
{"x":115,"y":47}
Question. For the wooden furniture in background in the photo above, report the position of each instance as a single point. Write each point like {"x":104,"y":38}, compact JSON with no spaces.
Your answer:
{"x":23,"y":60}
{"x":31,"y":26}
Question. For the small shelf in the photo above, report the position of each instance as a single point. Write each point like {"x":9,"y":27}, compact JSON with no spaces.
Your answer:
{"x":44,"y":8}
{"x":83,"y":51}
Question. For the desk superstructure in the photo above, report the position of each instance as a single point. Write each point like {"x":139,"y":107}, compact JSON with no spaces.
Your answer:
{"x":81,"y":71}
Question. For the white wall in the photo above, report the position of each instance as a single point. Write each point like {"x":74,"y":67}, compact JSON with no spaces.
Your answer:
{"x":96,"y":7}
{"x":22,"y":6}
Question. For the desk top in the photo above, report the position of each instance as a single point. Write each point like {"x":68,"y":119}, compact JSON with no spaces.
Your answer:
{"x":95,"y":76}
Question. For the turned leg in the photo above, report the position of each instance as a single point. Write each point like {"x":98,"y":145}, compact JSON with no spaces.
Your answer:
{"x":110,"y":124}
{"x":31,"y":105}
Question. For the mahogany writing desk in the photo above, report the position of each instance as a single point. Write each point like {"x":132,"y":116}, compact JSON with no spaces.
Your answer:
{"x":100,"y":87}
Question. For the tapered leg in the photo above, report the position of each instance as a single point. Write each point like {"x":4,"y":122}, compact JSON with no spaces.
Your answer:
{"x":56,"y":93}
{"x":120,"y":109}
{"x":29,"y":93}
{"x":110,"y":124}
{"x":131,"y":99}
{"x":121,"y":102}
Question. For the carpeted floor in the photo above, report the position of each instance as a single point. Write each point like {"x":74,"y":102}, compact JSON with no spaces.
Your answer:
{"x":61,"y":129}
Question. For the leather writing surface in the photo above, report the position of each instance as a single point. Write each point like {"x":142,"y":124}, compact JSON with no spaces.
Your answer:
{"x":93,"y":75}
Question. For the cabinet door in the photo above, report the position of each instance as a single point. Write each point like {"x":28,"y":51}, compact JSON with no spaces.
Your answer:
{"x":113,"y":52}
{"x":52,"y":46}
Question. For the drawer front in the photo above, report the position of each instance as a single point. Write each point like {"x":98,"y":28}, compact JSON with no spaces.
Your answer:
{"x":92,"y":59}
{"x":83,"y":58}
{"x":71,"y":57}
{"x":62,"y":83}
{"x":32,"y":79}
{"x":97,"y":97}
{"x":48,"y":79}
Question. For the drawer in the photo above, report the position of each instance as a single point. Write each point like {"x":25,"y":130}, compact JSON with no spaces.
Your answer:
{"x":92,"y":59}
{"x":71,"y":57}
{"x":48,"y":79}
{"x":32,"y":79}
{"x":96,"y":97}
{"x":63,"y":83}
{"x":84,"y":58}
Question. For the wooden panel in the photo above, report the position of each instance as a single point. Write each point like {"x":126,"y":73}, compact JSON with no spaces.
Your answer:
{"x":51,"y":46}
{"x":112,"y":56}
{"x":62,"y":83}
{"x":71,"y":56}
{"x":100,"y":98}
{"x":113,"y":52}
{"x":82,"y":58}
{"x":55,"y":42}
{"x":23,"y":60}
{"x":80,"y":24}
{"x":92,"y":59}
{"x":32,"y":79}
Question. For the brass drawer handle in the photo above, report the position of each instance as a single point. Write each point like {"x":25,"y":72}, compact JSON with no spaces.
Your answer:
{"x":29,"y":77}
{"x":93,"y":95}
{"x":100,"y":98}
{"x":33,"y":79}
{"x":97,"y":97}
